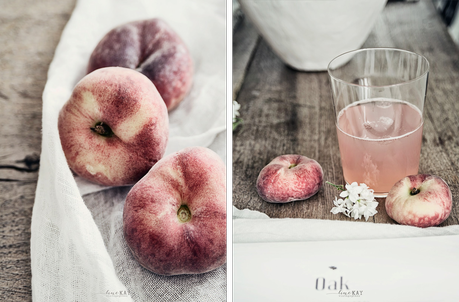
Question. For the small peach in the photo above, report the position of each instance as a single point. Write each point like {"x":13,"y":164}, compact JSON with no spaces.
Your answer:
{"x":288,"y":178}
{"x":419,"y":200}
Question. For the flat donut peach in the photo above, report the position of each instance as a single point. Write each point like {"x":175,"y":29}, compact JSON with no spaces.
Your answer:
{"x":114,"y":127}
{"x":174,"y":218}
{"x":152,"y":48}
{"x":288,"y":178}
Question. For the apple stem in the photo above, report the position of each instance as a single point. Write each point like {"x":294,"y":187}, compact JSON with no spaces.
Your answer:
{"x":102,"y":129}
{"x":292,"y":166}
{"x":414,"y":191}
{"x":184,"y":213}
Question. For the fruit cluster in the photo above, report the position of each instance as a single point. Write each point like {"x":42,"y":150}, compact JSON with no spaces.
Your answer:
{"x":418,"y":200}
{"x":114,"y":130}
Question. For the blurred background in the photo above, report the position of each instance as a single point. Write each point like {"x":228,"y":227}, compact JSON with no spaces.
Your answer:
{"x":446,"y":8}
{"x":448,"y":12}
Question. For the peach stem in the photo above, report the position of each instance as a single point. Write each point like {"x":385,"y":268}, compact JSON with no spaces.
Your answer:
{"x":414,"y":191}
{"x":184,"y":213}
{"x":102,"y":129}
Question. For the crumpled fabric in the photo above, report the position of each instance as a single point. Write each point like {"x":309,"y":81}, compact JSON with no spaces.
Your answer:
{"x":78,"y":251}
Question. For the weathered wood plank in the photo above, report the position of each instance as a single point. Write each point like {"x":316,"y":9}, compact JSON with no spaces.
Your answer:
{"x":15,"y":217}
{"x":29,"y":33}
{"x":246,"y":38}
{"x":285,"y":111}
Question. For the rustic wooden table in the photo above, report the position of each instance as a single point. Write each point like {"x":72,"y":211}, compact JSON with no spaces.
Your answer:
{"x":29,"y":33}
{"x":290,"y":112}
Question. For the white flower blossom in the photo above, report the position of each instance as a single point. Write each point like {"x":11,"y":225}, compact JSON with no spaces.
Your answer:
{"x":356,"y":201}
{"x":236,"y":107}
{"x":353,"y":191}
{"x":236,"y":119}
{"x":339,"y":206}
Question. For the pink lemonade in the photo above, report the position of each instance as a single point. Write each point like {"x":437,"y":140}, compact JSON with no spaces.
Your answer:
{"x":380,"y":142}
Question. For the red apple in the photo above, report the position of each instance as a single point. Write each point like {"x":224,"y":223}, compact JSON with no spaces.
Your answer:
{"x":114,"y":127}
{"x":288,"y":178}
{"x":153,"y":48}
{"x":419,"y":200}
{"x":175,"y":217}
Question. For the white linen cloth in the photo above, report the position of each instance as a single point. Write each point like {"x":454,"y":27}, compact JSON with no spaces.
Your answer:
{"x":253,"y":226}
{"x":324,"y":260}
{"x":77,"y":249}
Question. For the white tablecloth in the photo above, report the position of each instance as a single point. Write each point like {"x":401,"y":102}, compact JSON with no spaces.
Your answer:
{"x":323,"y":260}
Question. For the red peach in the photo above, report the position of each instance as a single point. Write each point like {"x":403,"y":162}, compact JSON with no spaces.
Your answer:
{"x":175,"y":217}
{"x":153,"y":48}
{"x":114,"y":127}
{"x":288,"y":178}
{"x":419,"y":200}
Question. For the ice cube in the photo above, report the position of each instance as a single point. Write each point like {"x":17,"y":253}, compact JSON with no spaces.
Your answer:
{"x":381,"y":125}
{"x":380,"y":128}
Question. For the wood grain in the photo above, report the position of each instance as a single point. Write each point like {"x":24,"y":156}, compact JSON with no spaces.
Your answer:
{"x":286,"y":111}
{"x":29,"y":33}
{"x":246,"y":39}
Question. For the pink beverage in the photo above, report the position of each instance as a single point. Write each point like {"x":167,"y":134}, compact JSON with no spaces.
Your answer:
{"x":380,"y":142}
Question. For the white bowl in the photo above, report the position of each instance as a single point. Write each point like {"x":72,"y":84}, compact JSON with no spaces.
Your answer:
{"x":308,"y":34}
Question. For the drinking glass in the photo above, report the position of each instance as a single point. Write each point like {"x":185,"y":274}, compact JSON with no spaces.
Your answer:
{"x":378,"y":98}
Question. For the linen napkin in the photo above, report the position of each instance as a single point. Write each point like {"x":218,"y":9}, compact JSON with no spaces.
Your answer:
{"x":324,"y":260}
{"x":77,"y":249}
{"x":253,"y":226}
{"x":376,"y":270}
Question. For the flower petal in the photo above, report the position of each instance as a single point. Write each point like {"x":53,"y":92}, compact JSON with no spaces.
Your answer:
{"x":344,"y":194}
{"x":336,"y":210}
